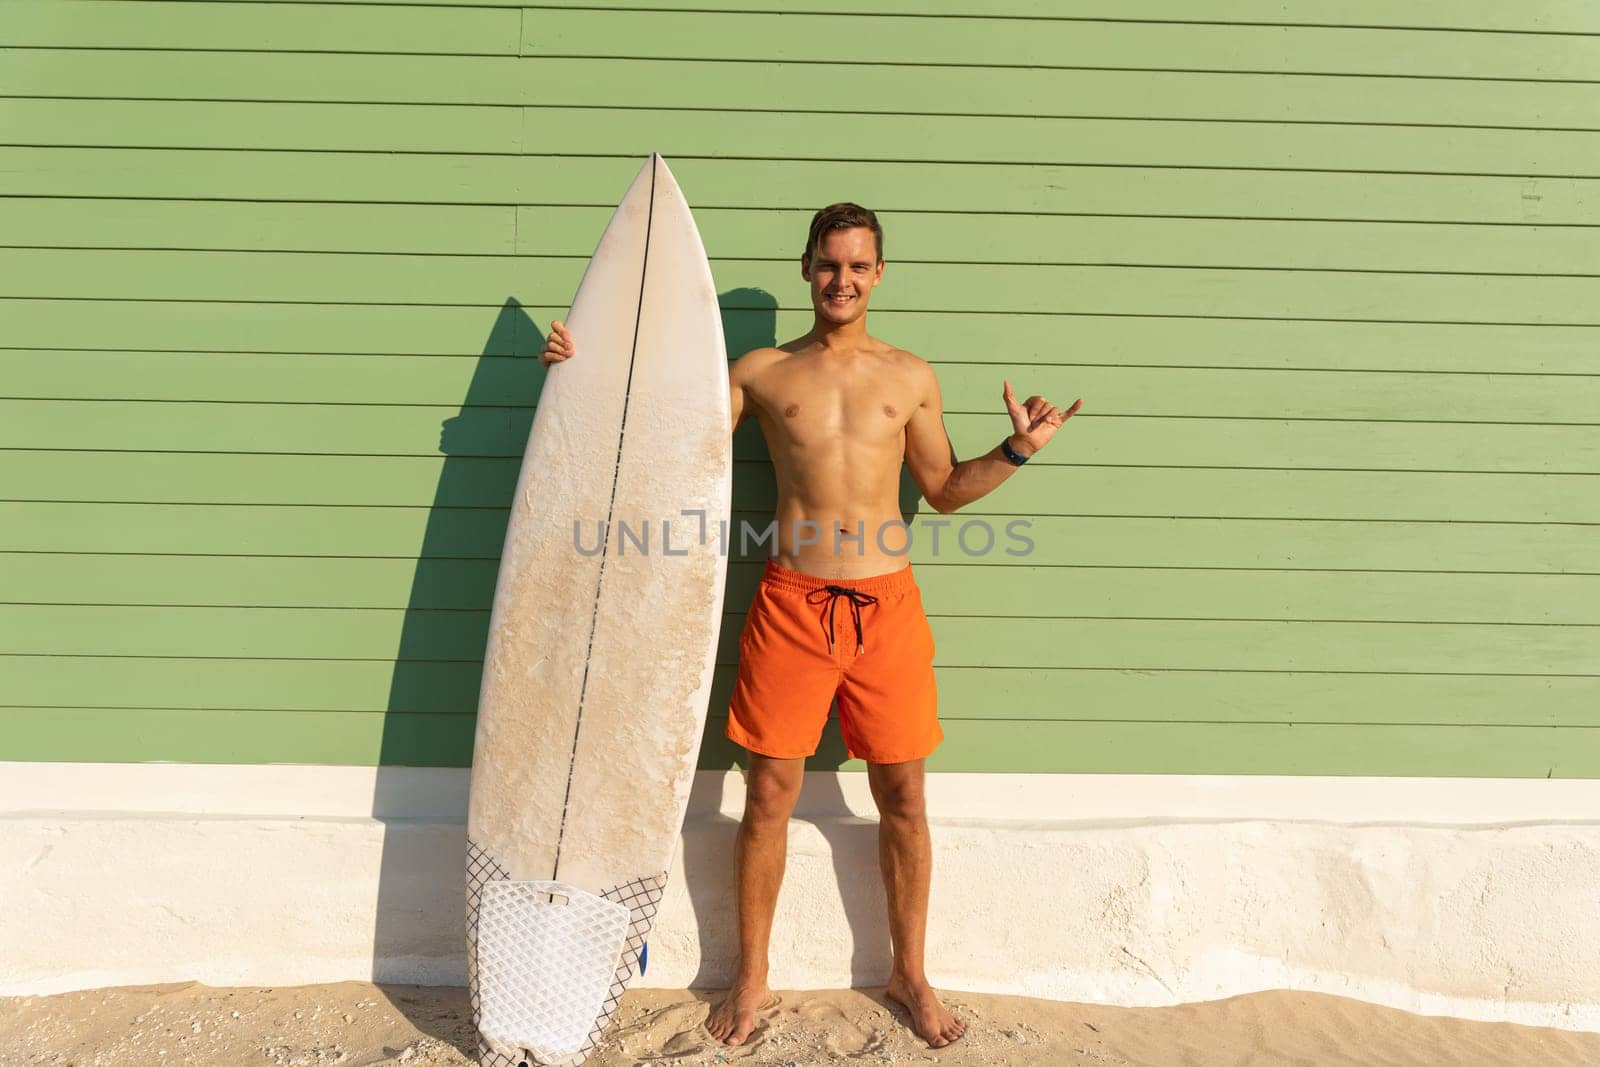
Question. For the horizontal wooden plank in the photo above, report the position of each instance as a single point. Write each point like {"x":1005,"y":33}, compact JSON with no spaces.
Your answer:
{"x":469,"y":533}
{"x":738,"y":234}
{"x":1331,"y":442}
{"x":797,"y":36}
{"x":443,"y":387}
{"x":434,"y":229}
{"x":214,"y":736}
{"x":320,"y":127}
{"x":287,"y":684}
{"x":209,"y":529}
{"x":621,"y":83}
{"x":1206,"y":748}
{"x":1016,"y":641}
{"x":128,"y":684}
{"x":130,"y":274}
{"x":318,"y":27}
{"x":1185,"y":392}
{"x":952,"y":584}
{"x":384,"y":481}
{"x":783,"y":184}
{"x":252,"y":581}
{"x":682,"y":134}
{"x":1547,"y":16}
{"x":1085,"y":340}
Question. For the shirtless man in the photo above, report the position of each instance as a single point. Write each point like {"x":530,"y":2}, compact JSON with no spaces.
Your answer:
{"x":841,"y":410}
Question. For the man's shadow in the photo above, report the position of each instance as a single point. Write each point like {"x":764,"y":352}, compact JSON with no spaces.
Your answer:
{"x":709,"y":843}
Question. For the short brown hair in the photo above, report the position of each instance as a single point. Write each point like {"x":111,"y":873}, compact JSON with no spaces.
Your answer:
{"x":842,"y":216}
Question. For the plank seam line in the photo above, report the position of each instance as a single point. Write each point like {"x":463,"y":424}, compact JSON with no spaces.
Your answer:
{"x":959,"y":16}
{"x":833,"y":112}
{"x":446,"y":611}
{"x":756,"y":563}
{"x":1118,"y":669}
{"x":1047,"y":214}
{"x":1496,"y":372}
{"x":1060,"y":465}
{"x":1014,"y":312}
{"x":940,"y":66}
{"x":793,"y":61}
{"x":881,"y":160}
{"x":1063,"y":721}
{"x":561,"y":257}
{"x":616,"y":477}
{"x":516,"y":408}
{"x":992,"y":17}
{"x":500,"y":509}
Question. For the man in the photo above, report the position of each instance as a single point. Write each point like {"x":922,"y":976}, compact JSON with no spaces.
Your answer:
{"x":840,"y":410}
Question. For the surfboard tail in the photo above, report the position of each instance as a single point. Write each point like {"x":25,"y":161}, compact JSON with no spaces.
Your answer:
{"x":548,"y":962}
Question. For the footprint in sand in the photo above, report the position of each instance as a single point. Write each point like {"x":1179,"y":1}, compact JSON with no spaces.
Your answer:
{"x":677,"y":1034}
{"x":847,"y":1034}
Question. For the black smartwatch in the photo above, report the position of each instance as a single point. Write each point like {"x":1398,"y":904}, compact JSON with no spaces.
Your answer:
{"x":1016,"y":458}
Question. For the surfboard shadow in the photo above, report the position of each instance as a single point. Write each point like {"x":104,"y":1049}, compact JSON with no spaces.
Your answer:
{"x":420,"y":795}
{"x":710,"y":836}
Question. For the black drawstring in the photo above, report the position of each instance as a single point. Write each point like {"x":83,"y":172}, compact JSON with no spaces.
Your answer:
{"x":857,"y":600}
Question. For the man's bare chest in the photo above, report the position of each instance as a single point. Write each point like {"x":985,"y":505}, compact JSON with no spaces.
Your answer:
{"x":809,"y":410}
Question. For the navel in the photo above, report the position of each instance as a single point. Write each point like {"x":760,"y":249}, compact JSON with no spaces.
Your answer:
{"x":791,"y":411}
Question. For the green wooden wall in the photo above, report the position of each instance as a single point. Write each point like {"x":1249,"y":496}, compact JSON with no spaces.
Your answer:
{"x":1326,"y":274}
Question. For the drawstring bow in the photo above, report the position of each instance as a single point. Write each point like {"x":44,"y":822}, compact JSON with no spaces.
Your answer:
{"x":857,"y":600}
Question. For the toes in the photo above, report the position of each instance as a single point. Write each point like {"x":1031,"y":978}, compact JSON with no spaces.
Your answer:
{"x":740,"y":1033}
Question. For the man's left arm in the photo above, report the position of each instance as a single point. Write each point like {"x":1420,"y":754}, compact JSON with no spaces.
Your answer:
{"x":948,"y":484}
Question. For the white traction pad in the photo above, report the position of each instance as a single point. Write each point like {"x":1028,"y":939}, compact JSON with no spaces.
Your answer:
{"x":545,"y":966}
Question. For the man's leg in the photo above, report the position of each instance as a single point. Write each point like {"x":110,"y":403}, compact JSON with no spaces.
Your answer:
{"x":906,"y":856}
{"x":771,"y":788}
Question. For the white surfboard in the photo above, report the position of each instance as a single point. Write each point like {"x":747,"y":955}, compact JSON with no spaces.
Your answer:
{"x":601,"y":643}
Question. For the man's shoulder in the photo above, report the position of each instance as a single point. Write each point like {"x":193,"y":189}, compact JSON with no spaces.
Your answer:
{"x":905,"y":358}
{"x":908,"y":363}
{"x":759,"y":357}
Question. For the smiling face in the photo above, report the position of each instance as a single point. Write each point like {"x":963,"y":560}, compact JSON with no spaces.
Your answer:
{"x":843,"y":269}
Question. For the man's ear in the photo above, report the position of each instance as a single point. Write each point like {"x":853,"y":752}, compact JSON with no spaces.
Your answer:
{"x":805,"y":267}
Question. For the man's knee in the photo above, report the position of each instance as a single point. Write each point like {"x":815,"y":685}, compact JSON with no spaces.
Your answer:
{"x":899,"y":795}
{"x":771,"y":789}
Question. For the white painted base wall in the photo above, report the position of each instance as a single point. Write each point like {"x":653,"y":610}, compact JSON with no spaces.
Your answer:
{"x":1478,"y":898}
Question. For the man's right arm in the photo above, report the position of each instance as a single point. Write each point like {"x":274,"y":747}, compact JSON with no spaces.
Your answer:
{"x":740,"y":375}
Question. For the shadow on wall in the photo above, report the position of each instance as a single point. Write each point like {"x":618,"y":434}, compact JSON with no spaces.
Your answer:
{"x":433,"y":690}
{"x":437,"y":671}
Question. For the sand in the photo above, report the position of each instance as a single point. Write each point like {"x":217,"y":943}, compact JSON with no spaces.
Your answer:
{"x":355,"y":1025}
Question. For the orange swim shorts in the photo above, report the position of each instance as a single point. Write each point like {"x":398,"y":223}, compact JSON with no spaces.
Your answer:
{"x":809,"y":639}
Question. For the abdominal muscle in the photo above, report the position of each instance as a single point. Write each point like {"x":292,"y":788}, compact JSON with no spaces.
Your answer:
{"x":838,"y":512}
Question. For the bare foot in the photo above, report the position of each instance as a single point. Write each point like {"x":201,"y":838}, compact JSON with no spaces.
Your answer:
{"x":929,"y":1018}
{"x":734,"y":1019}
